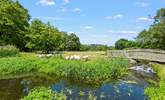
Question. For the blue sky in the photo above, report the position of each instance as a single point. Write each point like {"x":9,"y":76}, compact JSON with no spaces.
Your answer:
{"x":96,"y":21}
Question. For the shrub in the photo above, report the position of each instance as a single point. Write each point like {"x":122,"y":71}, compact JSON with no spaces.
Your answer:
{"x":8,"y":51}
{"x":42,"y":93}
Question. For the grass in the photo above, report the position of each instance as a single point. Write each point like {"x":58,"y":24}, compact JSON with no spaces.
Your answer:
{"x":8,"y":51}
{"x":95,"y":70}
{"x":157,"y":92}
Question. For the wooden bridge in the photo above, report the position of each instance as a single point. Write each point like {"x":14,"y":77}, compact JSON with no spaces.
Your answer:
{"x":139,"y":54}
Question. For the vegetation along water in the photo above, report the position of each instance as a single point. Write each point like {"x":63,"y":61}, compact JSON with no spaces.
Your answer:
{"x":39,"y":61}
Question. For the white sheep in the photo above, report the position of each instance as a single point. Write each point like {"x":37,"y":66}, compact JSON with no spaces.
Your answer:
{"x":85,"y":58}
{"x":77,"y":57}
{"x":67,"y":57}
{"x":49,"y":55}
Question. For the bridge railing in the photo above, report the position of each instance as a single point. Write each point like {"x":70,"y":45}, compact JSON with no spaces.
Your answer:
{"x":144,"y":54}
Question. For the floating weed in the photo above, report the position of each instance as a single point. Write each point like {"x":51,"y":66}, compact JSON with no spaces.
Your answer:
{"x":81,"y":93}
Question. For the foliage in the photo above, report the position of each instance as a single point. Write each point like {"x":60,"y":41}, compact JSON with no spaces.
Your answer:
{"x":73,"y":43}
{"x":154,"y":37}
{"x":94,"y":70}
{"x":124,"y":43}
{"x":13,"y":22}
{"x":160,"y":16}
{"x":94,"y":47}
{"x":157,"y":93}
{"x":42,"y":93}
{"x":17,"y":65}
{"x":43,"y":36}
{"x":8,"y":51}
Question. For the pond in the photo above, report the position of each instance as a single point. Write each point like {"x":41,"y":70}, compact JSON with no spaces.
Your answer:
{"x":131,"y":87}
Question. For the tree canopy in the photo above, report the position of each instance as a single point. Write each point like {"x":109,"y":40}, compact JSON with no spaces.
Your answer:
{"x":14,"y":20}
{"x":154,"y":37}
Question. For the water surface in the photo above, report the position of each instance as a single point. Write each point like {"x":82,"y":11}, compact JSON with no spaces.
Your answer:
{"x":129,"y":88}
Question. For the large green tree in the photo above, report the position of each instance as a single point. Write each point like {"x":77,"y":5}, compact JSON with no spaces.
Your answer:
{"x":73,"y":43}
{"x":13,"y":23}
{"x":44,"y":37}
{"x":124,"y":43}
{"x":154,"y":37}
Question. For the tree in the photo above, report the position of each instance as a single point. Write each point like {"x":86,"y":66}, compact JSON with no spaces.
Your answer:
{"x":13,"y":23}
{"x":160,"y":16}
{"x":73,"y":43}
{"x":84,"y":47}
{"x":43,"y":37}
{"x":154,"y":37}
{"x":121,"y":44}
{"x":124,"y":43}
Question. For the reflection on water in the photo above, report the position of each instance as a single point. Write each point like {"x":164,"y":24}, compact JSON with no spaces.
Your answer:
{"x":130,"y":88}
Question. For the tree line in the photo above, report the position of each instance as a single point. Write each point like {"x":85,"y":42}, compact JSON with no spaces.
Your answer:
{"x":152,"y":38}
{"x":17,"y":29}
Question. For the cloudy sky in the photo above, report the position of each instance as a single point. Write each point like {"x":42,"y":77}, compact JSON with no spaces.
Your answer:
{"x":96,"y":21}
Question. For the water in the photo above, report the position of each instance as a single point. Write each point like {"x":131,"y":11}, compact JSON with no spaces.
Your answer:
{"x":129,"y":88}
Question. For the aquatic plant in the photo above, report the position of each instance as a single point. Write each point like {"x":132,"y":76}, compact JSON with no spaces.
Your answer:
{"x":81,"y":93}
{"x":94,"y":71}
{"x":17,"y":65}
{"x":43,"y":93}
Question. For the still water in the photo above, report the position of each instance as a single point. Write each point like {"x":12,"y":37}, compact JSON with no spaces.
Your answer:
{"x":128,"y":88}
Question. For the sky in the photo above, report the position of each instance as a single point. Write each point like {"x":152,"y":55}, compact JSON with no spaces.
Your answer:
{"x":96,"y":21}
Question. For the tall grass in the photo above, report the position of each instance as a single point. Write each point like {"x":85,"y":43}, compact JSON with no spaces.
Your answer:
{"x":157,"y":92}
{"x":94,"y":70}
{"x":17,"y":65}
{"x":8,"y":51}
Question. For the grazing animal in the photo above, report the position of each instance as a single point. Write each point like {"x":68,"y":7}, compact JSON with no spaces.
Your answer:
{"x":77,"y":57}
{"x":85,"y":58}
{"x":67,"y":57}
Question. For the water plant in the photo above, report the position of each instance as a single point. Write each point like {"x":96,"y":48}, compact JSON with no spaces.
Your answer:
{"x":94,"y":71}
{"x":81,"y":93}
{"x":43,"y":93}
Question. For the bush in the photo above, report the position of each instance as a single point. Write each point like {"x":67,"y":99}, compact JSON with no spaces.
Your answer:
{"x":42,"y":93}
{"x":8,"y":51}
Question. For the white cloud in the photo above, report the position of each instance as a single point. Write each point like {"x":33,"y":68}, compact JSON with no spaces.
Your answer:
{"x":123,"y":32}
{"x":66,"y":1}
{"x":87,"y":27}
{"x":145,"y":19}
{"x":76,"y":9}
{"x":118,"y":16}
{"x":142,"y":4}
{"x":46,"y":2}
